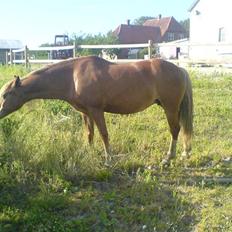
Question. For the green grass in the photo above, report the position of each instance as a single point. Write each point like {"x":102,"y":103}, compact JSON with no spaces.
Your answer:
{"x":51,"y":180}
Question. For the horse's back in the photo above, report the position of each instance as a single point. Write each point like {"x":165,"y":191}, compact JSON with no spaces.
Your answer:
{"x":127,"y":88}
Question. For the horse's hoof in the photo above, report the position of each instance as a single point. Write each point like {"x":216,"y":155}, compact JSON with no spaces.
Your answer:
{"x":165,"y":163}
{"x":185,"y":155}
{"x":108,"y":163}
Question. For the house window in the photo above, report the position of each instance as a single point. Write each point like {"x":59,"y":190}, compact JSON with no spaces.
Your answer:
{"x":171,"y":36}
{"x":222,"y":34}
{"x":181,"y":36}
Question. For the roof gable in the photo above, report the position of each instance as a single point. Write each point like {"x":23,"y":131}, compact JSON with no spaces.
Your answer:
{"x":193,"y":5}
{"x":10,"y":44}
{"x":165,"y":24}
{"x":162,"y":23}
{"x":175,"y":26}
{"x":137,"y":33}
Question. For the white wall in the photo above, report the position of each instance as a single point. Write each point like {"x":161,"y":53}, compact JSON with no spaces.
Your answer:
{"x":169,"y":50}
{"x":213,"y":14}
{"x":205,"y":20}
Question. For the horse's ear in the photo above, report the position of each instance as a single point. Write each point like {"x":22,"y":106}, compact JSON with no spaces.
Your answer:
{"x":17,"y":81}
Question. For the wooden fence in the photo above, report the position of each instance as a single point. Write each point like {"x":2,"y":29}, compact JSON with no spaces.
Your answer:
{"x":12,"y":57}
{"x":21,"y":56}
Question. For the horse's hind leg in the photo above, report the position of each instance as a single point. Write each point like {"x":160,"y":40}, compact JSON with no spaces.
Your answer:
{"x":187,"y":147}
{"x":99,"y":119}
{"x":89,"y":124}
{"x":173,"y":121}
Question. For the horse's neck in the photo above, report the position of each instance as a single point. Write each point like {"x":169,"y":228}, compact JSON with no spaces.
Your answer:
{"x":44,"y":87}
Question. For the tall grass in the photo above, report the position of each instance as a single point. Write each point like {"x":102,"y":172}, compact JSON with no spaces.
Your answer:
{"x":47,"y":169}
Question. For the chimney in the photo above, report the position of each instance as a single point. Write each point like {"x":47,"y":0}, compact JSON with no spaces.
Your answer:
{"x":159,"y":16}
{"x":128,"y":21}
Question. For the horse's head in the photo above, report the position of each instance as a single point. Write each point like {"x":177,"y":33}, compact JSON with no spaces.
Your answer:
{"x":10,"y":97}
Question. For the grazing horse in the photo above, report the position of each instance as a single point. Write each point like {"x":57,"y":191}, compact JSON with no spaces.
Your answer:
{"x":93,"y":86}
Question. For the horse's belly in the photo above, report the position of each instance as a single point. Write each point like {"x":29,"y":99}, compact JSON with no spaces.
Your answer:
{"x":128,"y":105}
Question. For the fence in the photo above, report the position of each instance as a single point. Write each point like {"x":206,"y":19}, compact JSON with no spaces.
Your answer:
{"x":21,"y":56}
{"x":211,"y":54}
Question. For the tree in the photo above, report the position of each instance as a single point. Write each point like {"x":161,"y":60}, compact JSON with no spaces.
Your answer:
{"x":141,"y":20}
{"x":186,"y":25}
{"x":90,"y":39}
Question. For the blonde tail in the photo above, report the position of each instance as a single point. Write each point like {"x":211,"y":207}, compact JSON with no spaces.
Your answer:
{"x":186,"y":113}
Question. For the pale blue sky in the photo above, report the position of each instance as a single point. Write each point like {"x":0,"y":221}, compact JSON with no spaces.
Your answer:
{"x":37,"y":21}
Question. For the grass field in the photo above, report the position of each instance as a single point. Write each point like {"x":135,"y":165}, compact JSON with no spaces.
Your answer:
{"x":51,"y":180}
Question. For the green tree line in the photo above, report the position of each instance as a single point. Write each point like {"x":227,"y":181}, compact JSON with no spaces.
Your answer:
{"x":108,"y":38}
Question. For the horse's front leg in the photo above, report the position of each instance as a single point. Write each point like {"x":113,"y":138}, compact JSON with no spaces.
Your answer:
{"x":173,"y":121}
{"x":171,"y":152}
{"x":89,"y":124}
{"x":99,"y":119}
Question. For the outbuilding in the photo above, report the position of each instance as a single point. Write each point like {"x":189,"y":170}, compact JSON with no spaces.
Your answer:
{"x":6,"y":45}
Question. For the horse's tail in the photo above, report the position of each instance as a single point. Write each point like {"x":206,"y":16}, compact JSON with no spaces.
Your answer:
{"x":186,"y":111}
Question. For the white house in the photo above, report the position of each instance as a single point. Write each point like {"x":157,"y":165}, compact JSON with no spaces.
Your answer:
{"x":210,"y":29}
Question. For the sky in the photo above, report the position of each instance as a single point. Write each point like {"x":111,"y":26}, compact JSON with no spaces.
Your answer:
{"x":35,"y":22}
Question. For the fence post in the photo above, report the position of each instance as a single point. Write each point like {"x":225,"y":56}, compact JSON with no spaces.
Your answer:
{"x":150,"y":46}
{"x":74,"y":49}
{"x":26,"y":56}
{"x":7,"y":56}
{"x":14,"y":56}
{"x":11,"y":57}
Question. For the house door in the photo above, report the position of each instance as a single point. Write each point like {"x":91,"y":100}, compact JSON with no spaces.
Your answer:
{"x":177,"y":53}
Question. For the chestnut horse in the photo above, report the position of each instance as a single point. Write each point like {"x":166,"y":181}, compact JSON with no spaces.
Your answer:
{"x":93,"y":86}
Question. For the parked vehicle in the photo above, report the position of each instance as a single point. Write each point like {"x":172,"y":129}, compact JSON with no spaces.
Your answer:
{"x":62,"y":40}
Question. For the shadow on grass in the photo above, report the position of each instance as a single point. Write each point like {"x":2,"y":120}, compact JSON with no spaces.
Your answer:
{"x":116,"y":203}
{"x":24,"y":208}
{"x":127,"y":197}
{"x":128,"y":200}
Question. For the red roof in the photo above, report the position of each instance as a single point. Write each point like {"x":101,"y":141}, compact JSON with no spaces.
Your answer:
{"x":137,"y":34}
{"x":165,"y":24}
